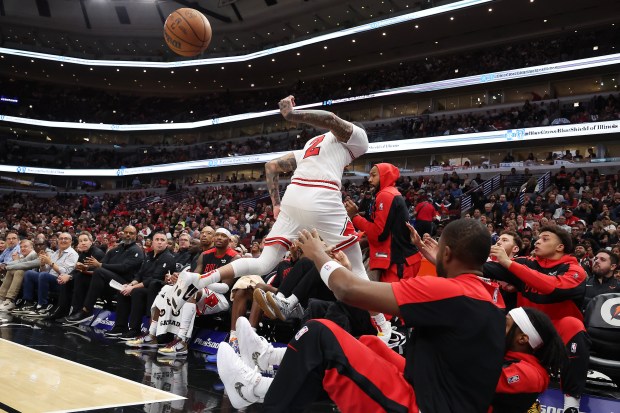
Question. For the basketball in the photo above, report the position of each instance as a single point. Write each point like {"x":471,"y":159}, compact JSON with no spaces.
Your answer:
{"x":187,"y":32}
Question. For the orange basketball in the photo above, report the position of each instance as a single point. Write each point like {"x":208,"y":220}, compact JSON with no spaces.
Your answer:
{"x":187,"y":32}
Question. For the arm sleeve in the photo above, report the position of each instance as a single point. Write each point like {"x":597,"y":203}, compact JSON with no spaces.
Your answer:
{"x":566,"y":285}
{"x":494,"y":271}
{"x":358,"y":142}
{"x":374,"y":229}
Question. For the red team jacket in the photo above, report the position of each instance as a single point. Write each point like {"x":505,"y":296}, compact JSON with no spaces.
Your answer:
{"x":388,"y":236}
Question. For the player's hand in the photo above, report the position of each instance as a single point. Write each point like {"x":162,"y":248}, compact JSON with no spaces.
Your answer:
{"x":428,"y":247}
{"x":286,"y":106}
{"x":351,"y":208}
{"x":499,"y":254}
{"x":312,"y":245}
{"x":342,"y":259}
{"x":276,"y":211}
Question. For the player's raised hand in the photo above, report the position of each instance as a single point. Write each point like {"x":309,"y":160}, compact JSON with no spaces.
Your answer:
{"x":351,"y":208}
{"x":286,"y":106}
{"x":427,"y":247}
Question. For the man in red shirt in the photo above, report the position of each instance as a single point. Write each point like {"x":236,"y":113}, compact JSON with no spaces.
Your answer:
{"x":553,"y":282}
{"x":425,"y":213}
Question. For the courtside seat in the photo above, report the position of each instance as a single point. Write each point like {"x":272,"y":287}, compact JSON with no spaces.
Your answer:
{"x":602,"y":320}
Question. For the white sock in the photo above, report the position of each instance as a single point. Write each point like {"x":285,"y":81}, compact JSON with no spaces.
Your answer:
{"x":213,"y":277}
{"x":233,"y":336}
{"x":153,"y":328}
{"x":188,"y":312}
{"x":293,"y":300}
{"x":262,"y":387}
{"x":275,"y":355}
{"x":379,"y":319}
{"x":570,"y":401}
{"x":280,"y":295}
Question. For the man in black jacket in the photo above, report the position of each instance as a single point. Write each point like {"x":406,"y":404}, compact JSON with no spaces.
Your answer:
{"x":136,"y":297}
{"x":119,"y":264}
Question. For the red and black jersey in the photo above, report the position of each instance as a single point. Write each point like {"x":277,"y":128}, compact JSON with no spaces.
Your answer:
{"x":521,"y":381}
{"x":556,"y":288}
{"x":212,"y":261}
{"x":278,"y":275}
{"x":455,"y":354}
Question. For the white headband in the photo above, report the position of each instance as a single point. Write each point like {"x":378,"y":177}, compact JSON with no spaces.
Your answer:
{"x":523,"y":321}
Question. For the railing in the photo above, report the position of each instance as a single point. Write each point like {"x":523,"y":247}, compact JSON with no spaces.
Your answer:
{"x":487,"y":187}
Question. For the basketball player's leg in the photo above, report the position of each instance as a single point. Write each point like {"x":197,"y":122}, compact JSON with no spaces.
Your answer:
{"x":277,"y":243}
{"x":338,"y":232}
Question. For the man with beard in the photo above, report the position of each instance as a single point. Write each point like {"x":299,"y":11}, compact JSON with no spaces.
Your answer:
{"x":392,"y":255}
{"x":581,"y":254}
{"x":602,"y":280}
{"x":206,"y":243}
{"x":119,"y":264}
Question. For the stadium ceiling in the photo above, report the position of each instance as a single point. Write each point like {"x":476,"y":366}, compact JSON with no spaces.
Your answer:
{"x":132,"y":30}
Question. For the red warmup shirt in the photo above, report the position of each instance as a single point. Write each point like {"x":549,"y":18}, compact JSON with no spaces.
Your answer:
{"x":556,"y":288}
{"x":454,"y":357}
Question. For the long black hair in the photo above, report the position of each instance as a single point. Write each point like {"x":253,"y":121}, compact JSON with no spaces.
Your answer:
{"x":552,"y":354}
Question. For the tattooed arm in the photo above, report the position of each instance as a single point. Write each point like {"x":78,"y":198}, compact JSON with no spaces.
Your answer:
{"x":273,"y":168}
{"x":341,"y":129}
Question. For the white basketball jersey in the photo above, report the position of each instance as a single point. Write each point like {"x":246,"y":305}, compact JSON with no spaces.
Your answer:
{"x":324,"y":157}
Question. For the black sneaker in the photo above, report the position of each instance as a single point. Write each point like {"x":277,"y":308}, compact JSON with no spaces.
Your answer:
{"x":42,"y":311}
{"x":26,"y":308}
{"x":79,"y":317}
{"x":116,"y":332}
{"x":130,"y":334}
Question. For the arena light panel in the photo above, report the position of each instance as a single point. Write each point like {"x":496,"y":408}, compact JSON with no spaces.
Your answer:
{"x":469,"y":139}
{"x":446,"y":8}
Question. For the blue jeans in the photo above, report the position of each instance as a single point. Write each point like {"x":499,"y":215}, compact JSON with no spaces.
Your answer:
{"x":44,"y":282}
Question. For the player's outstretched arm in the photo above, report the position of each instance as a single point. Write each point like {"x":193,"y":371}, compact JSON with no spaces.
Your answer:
{"x":346,"y":286}
{"x":273,"y":168}
{"x":341,"y":128}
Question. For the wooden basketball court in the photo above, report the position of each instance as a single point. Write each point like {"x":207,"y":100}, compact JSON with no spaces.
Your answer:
{"x":33,"y":381}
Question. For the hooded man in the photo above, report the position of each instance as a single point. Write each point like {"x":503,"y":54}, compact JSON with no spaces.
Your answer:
{"x":391,"y":252}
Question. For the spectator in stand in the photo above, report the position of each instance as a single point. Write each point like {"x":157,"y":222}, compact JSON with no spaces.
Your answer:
{"x":52,"y":267}
{"x":119,"y":264}
{"x":135,"y":299}
{"x":581,"y":254}
{"x":602,"y":280}
{"x":424,"y":214}
{"x":12,"y":282}
{"x":11,"y":250}
{"x":68,"y":301}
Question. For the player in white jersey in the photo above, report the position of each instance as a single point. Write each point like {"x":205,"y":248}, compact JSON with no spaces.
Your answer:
{"x":312,"y":200}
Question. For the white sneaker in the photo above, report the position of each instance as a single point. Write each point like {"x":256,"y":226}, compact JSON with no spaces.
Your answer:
{"x":384,"y":332}
{"x":6,"y":305}
{"x":254,"y":349}
{"x":261,"y":298}
{"x":238,"y":378}
{"x":283,"y":308}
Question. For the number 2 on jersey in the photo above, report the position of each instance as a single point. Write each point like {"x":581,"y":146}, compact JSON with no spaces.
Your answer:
{"x":314,"y":149}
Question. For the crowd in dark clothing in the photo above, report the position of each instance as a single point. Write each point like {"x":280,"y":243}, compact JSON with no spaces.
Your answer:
{"x":597,"y":109}
{"x":63,"y":103}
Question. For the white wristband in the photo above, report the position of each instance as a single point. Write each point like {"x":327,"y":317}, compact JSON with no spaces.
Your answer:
{"x":327,"y":269}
